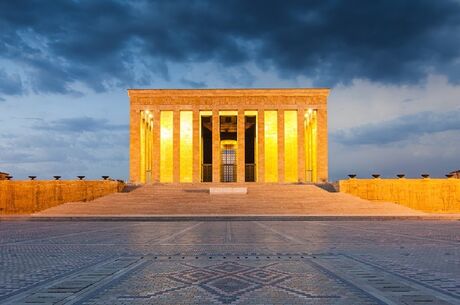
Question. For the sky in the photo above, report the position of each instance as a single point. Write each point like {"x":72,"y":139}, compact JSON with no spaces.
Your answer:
{"x":393,"y":67}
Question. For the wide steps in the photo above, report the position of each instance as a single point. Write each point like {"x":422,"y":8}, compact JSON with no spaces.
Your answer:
{"x":261,"y":199}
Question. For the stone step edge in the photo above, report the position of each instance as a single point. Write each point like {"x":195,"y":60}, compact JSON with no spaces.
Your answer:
{"x":154,"y":218}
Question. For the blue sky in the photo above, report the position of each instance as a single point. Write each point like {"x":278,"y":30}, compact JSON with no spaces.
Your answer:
{"x":393,"y":66}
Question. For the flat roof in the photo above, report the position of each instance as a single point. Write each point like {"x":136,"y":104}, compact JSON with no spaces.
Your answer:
{"x":228,"y":91}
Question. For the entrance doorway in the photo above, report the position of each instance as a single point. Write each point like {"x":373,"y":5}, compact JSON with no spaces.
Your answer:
{"x":228,"y":146}
{"x":228,"y":161}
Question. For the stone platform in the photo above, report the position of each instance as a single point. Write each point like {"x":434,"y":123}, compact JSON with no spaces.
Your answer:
{"x":230,"y":262}
{"x":261,"y":200}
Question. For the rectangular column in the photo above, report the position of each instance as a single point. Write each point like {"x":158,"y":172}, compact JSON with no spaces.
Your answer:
{"x":176,"y":146}
{"x":241,"y":146}
{"x":196,"y":146}
{"x":186,"y":146}
{"x":134,"y":145}
{"x":261,"y":146}
{"x":322,"y":150}
{"x":156,"y":146}
{"x":280,"y":145}
{"x":301,"y":144}
{"x":215,"y":146}
{"x":143,"y":146}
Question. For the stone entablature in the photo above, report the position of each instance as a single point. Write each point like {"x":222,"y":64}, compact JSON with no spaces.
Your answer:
{"x":229,"y":98}
{"x":146,"y":162}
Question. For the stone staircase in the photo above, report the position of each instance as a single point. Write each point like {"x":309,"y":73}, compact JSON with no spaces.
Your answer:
{"x":261,"y":199}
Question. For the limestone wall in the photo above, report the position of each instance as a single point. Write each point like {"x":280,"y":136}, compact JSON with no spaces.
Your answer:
{"x":24,"y":197}
{"x":430,"y":195}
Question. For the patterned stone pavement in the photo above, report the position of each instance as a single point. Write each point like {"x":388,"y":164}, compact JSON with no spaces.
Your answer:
{"x":230,"y":262}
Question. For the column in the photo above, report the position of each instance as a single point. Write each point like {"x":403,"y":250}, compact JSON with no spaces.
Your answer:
{"x":301,"y":144}
{"x":215,"y":146}
{"x":156,"y":146}
{"x":261,"y":146}
{"x":148,"y":154}
{"x":322,"y":150}
{"x":142,"y":148}
{"x":196,"y":146}
{"x":134,"y":145}
{"x":240,"y":174}
{"x":280,"y":145}
{"x":176,"y":146}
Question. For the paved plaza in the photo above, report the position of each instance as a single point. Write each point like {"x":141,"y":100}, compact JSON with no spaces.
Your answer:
{"x":230,"y":262}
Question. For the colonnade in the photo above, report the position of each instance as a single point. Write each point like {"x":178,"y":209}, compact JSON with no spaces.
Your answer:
{"x":171,"y":145}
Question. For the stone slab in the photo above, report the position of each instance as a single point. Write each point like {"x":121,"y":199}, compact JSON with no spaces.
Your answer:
{"x":228,"y":190}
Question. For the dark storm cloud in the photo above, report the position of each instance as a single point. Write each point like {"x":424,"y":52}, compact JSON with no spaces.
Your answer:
{"x":114,"y":43}
{"x":399,"y":129}
{"x":79,"y":124}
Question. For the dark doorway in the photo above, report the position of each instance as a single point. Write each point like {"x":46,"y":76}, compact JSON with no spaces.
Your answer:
{"x":249,"y":148}
{"x":228,"y":138}
{"x":206,"y":148}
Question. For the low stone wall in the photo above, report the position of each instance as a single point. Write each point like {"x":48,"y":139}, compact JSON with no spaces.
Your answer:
{"x":430,"y":195}
{"x":24,"y":197}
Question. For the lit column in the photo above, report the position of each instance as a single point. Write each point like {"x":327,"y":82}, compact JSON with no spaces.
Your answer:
{"x":301,"y":144}
{"x":322,"y":150}
{"x":148,"y":150}
{"x":176,"y":146}
{"x":142,"y":147}
{"x":196,"y":146}
{"x":280,"y":145}
{"x":261,"y":146}
{"x":215,"y":146}
{"x":156,"y":146}
{"x":241,"y":148}
{"x":134,"y":145}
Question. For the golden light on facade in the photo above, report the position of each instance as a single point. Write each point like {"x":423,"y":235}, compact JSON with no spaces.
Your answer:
{"x":271,"y":145}
{"x":176,"y":135}
{"x":186,"y":146}
{"x":290,"y":146}
{"x":166,"y":146}
{"x":311,"y":145}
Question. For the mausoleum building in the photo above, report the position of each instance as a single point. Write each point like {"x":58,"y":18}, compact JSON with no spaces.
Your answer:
{"x":228,"y":135}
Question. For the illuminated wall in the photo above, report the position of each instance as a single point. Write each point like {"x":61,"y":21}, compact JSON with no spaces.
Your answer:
{"x":146,"y":142}
{"x":186,"y":146}
{"x":166,"y":146}
{"x":311,"y":145}
{"x":142,"y":142}
{"x":271,"y":145}
{"x":290,"y":146}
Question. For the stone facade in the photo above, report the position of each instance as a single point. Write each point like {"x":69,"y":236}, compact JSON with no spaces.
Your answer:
{"x":149,"y":132}
{"x":25,"y":197}
{"x":429,"y":195}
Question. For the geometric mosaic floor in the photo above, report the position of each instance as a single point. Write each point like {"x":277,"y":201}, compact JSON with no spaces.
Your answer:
{"x":230,"y":262}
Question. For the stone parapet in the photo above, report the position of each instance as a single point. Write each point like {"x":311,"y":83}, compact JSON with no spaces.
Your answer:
{"x":430,"y":195}
{"x":25,"y":197}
